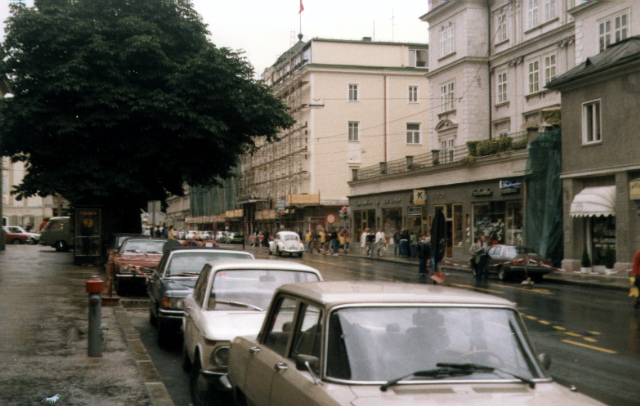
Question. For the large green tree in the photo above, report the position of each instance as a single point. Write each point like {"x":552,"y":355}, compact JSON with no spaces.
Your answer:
{"x":117,"y":102}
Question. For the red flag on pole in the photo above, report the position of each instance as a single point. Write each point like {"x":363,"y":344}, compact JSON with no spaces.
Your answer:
{"x":301,"y":7}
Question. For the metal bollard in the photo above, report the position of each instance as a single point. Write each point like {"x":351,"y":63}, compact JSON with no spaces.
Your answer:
{"x":94,"y":287}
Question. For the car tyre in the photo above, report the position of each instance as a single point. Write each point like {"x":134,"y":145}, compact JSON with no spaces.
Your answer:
{"x":186,"y":361}
{"x":299,"y":254}
{"x":153,"y":320}
{"x":117,"y":285}
{"x":278,"y":252}
{"x":165,"y":336}
{"x":199,"y":386}
{"x":16,"y":241}
{"x":61,"y":246}
{"x":502,"y":274}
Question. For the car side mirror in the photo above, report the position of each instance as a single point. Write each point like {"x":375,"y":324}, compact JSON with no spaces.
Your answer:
{"x":308,"y":363}
{"x":545,"y":360}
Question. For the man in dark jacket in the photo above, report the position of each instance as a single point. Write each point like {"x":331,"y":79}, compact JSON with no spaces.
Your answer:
{"x":424,"y":252}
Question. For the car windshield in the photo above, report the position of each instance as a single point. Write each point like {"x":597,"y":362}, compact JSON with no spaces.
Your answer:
{"x":191,"y":263}
{"x":235,"y":289}
{"x":142,"y":246}
{"x":378,"y":344}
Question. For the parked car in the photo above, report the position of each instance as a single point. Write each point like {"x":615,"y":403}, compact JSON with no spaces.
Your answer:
{"x":286,"y":242}
{"x":135,"y":261}
{"x":511,"y":261}
{"x":57,"y":234}
{"x":32,"y":238}
{"x":14,"y":238}
{"x":229,"y":299}
{"x":113,"y":246}
{"x":383,"y":343}
{"x":174,"y":279}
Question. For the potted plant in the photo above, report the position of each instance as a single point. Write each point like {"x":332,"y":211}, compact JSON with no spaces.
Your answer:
{"x":586,"y":262}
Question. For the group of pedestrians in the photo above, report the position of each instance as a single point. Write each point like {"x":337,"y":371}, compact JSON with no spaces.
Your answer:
{"x":327,"y":243}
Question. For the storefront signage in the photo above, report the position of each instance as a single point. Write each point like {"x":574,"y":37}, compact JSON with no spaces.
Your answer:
{"x":415,"y":212}
{"x":419,"y":197}
{"x":392,"y":200}
{"x":364,"y":203}
{"x":482,"y":193}
{"x":508,"y":187}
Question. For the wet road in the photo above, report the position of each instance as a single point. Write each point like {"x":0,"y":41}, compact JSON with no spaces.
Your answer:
{"x":592,"y":335}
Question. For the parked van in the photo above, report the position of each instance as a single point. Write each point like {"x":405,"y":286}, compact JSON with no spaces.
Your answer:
{"x":57,"y":234}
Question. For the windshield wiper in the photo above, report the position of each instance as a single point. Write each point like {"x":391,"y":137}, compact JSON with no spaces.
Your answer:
{"x":437,"y":373}
{"x":477,"y":367}
{"x":240,"y":304}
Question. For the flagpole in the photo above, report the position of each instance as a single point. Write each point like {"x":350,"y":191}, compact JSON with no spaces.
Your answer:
{"x":300,"y":14}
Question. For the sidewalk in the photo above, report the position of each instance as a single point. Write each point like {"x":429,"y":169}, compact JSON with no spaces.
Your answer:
{"x":619,"y":280}
{"x":44,"y":338}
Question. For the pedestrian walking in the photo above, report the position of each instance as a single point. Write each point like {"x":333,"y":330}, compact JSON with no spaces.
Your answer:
{"x":370,"y":241}
{"x":363,"y":241}
{"x":404,"y":243}
{"x":413,"y":244}
{"x":335,"y":242}
{"x":308,"y":241}
{"x":424,"y":253}
{"x":481,"y":259}
{"x":396,"y":242}
{"x":380,"y":242}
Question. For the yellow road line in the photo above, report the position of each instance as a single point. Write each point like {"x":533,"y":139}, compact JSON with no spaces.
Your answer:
{"x":591,"y":347}
{"x":569,"y":333}
{"x":544,"y":322}
{"x":476,"y":288}
{"x":559,"y":328}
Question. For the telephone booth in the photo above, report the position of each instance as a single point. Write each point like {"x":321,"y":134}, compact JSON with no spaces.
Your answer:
{"x":88,"y":225}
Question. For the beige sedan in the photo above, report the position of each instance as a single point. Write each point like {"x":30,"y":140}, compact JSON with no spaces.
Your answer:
{"x":377,"y":343}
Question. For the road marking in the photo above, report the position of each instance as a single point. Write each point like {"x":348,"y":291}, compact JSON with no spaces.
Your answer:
{"x":476,"y":288}
{"x":559,"y":328}
{"x":546,"y":323}
{"x":569,"y":333}
{"x":591,"y":347}
{"x":359,"y":263}
{"x":540,"y":291}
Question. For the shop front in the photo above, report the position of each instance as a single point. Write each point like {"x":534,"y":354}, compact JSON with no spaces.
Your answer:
{"x":388,"y":211}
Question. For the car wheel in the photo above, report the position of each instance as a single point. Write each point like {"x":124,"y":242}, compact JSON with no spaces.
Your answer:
{"x":164,"y":335}
{"x":16,"y":241}
{"x":241,"y":400}
{"x":300,"y":254}
{"x":199,"y":386}
{"x":279,"y":252}
{"x":153,"y":320}
{"x":117,"y":284}
{"x":502,"y":274}
{"x":186,"y":361}
{"x":61,"y":246}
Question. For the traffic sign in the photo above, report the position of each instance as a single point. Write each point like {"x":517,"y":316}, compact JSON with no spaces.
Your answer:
{"x":331,"y":218}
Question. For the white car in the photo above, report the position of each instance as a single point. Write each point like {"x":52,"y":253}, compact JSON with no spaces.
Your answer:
{"x":383,"y":343}
{"x":229,"y":299}
{"x":286,"y":242}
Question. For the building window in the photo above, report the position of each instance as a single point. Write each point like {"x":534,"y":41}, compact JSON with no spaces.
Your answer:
{"x":447,"y":95}
{"x":446,"y":150}
{"x":591,"y":122}
{"x":413,"y":133}
{"x":534,"y":77}
{"x":533,"y":13}
{"x":620,"y":25}
{"x":354,"y":131}
{"x":549,"y":7}
{"x":549,"y":68}
{"x":447,"y":41}
{"x":502,"y":34}
{"x":502,"y":87}
{"x":353,"y":92}
{"x":418,"y":58}
{"x":413,"y":94}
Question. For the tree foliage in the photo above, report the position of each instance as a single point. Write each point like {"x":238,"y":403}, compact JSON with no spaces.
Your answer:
{"x":119,"y":101}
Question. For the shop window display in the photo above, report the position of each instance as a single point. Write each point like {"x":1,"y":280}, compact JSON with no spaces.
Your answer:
{"x":500,"y":222}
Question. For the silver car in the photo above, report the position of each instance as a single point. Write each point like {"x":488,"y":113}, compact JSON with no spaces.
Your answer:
{"x":382,"y":343}
{"x":230,"y":299}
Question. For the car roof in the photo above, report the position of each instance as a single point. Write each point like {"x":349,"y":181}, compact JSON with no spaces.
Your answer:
{"x":336,"y":293}
{"x":208,"y":249}
{"x":263,"y":264}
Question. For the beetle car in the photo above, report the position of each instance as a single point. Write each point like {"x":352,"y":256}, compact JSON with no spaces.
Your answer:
{"x":134,"y":262}
{"x":229,"y":299}
{"x":511,"y":261}
{"x":286,"y":242}
{"x":174,"y":279}
{"x":383,"y":343}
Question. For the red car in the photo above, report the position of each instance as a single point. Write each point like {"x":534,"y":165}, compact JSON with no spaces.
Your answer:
{"x":14,"y":238}
{"x":135,"y":261}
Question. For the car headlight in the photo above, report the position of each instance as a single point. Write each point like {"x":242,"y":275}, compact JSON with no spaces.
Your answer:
{"x":220,"y":357}
{"x":172,"y":302}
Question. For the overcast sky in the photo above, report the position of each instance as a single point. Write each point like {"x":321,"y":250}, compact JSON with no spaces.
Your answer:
{"x":265,"y":29}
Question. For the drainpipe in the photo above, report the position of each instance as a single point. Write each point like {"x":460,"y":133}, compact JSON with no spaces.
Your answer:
{"x":489,"y":83}
{"x":385,"y":119}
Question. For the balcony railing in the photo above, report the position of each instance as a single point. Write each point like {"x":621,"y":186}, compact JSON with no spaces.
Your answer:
{"x":465,"y":153}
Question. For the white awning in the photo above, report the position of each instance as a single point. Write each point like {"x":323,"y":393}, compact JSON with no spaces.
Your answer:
{"x":594,"y":202}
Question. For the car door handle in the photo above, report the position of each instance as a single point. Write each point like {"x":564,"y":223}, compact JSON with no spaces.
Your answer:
{"x":254,"y":350}
{"x":281,"y":366}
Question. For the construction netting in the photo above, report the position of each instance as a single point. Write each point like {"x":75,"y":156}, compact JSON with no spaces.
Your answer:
{"x":543,"y":216}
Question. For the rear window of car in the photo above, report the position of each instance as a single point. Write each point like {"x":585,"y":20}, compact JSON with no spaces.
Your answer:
{"x":193,"y":262}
